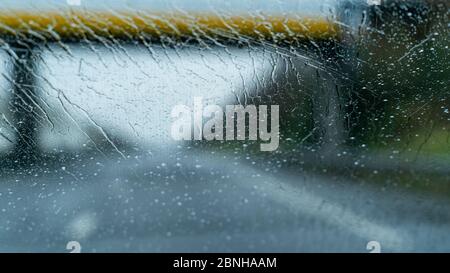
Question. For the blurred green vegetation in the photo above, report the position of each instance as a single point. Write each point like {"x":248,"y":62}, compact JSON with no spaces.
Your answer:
{"x":403,"y":94}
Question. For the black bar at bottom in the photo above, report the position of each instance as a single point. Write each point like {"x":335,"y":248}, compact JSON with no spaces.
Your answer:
{"x":216,"y":262}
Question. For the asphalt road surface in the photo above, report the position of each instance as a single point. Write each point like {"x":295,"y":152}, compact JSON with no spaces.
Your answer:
{"x":207,"y":202}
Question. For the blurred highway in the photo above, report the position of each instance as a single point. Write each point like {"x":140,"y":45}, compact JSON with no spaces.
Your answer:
{"x":203,"y":202}
{"x":86,"y":153}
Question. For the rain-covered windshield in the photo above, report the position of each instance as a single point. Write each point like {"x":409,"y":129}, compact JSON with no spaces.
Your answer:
{"x":224,"y":126}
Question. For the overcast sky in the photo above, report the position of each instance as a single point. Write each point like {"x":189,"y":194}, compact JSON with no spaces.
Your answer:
{"x":275,"y":6}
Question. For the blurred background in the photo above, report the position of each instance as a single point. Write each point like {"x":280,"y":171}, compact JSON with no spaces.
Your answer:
{"x":85,"y":146}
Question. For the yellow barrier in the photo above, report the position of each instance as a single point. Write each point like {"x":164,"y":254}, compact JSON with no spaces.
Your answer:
{"x":76,"y":25}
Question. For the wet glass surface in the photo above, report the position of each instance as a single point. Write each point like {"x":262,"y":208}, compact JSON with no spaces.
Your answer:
{"x":87,"y":96}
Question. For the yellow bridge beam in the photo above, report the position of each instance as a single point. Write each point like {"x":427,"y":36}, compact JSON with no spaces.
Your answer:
{"x":78,"y":25}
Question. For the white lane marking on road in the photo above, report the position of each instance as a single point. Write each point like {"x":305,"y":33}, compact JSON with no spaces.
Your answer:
{"x":310,"y":204}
